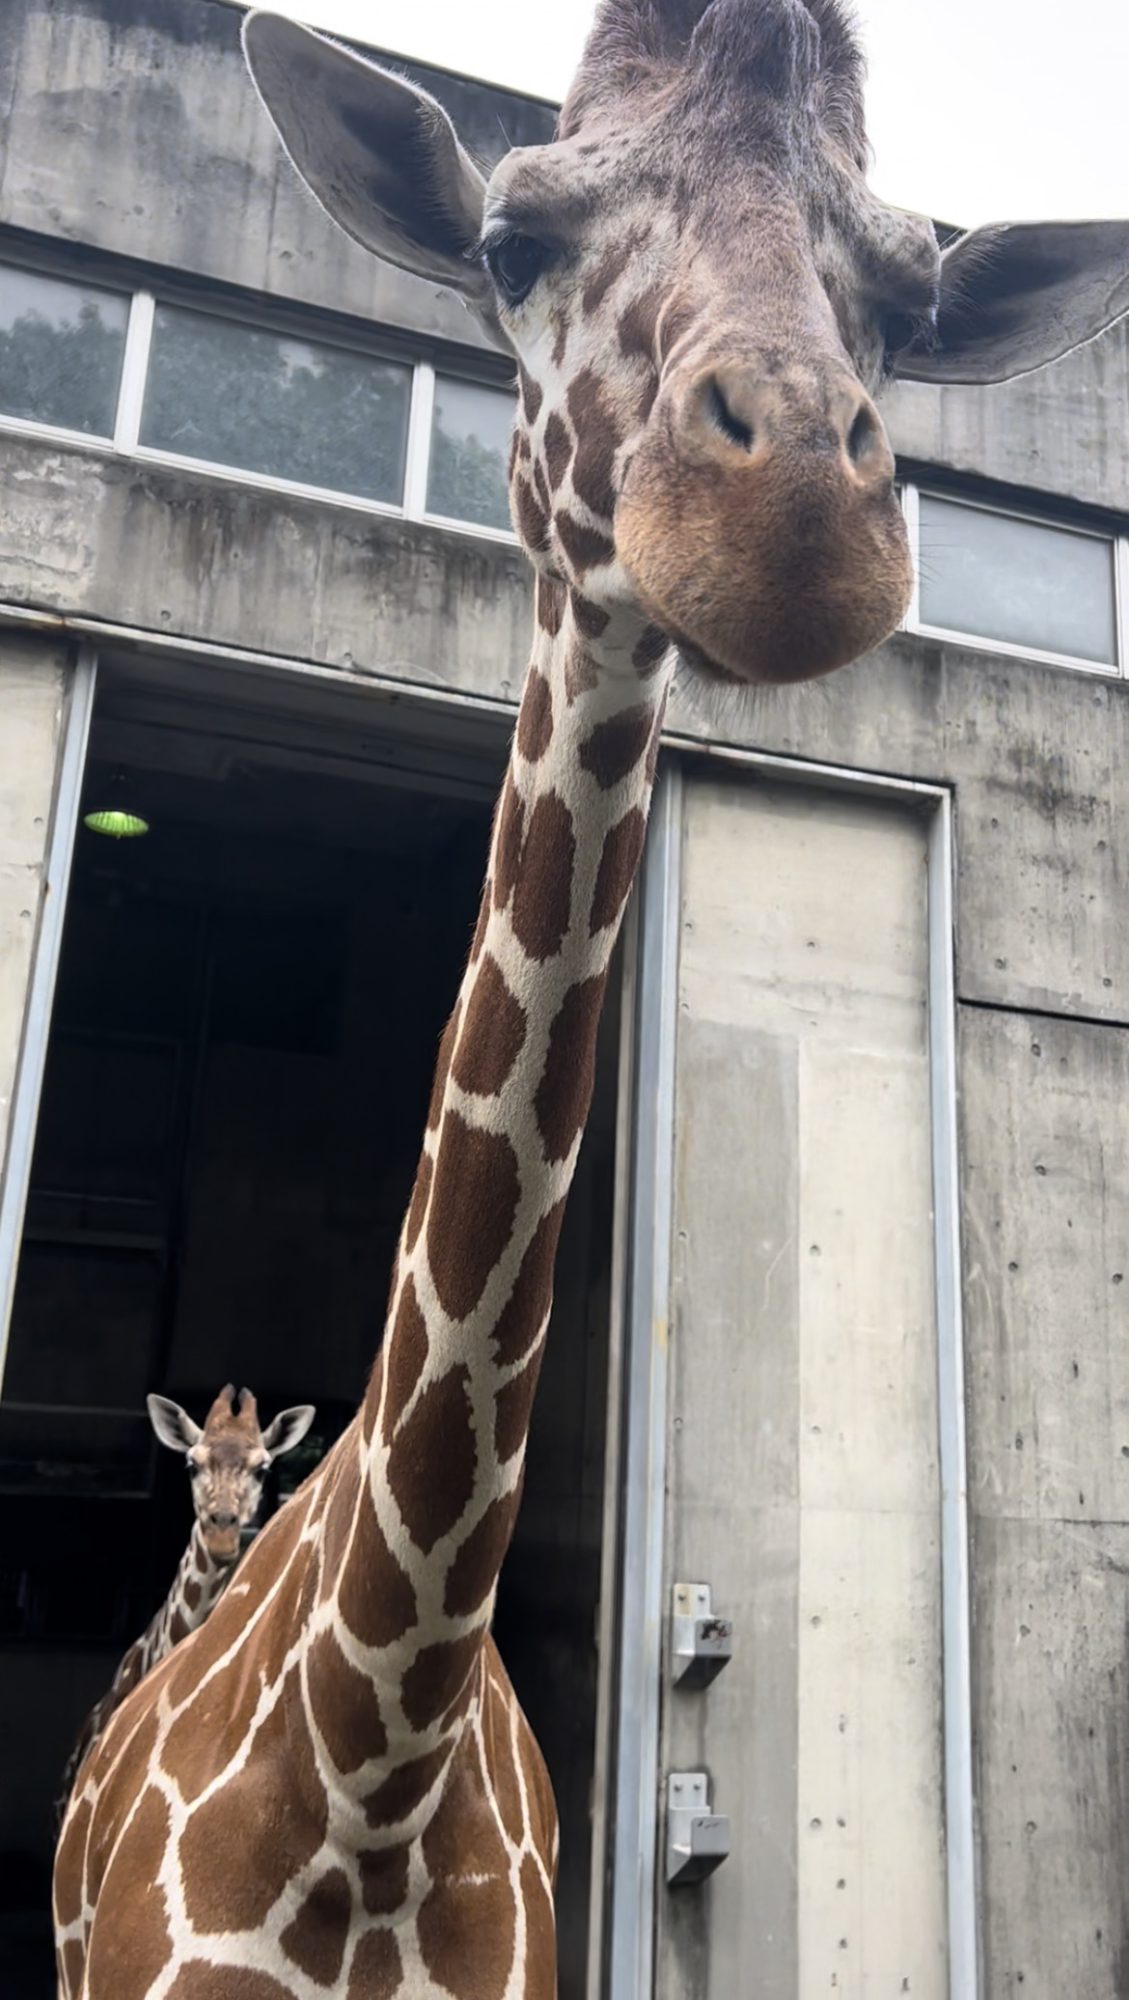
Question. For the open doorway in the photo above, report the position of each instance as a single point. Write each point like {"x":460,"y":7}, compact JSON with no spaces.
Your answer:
{"x":249,"y":1003}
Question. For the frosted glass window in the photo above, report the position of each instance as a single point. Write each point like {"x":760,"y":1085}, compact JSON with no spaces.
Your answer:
{"x":470,"y":444}
{"x":291,"y":409}
{"x":1024,"y":583}
{"x":61,"y":348}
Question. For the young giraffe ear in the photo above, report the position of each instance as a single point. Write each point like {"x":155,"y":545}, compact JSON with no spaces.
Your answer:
{"x":288,"y":1429}
{"x":381,"y":156}
{"x":1019,"y":294}
{"x":173,"y":1425}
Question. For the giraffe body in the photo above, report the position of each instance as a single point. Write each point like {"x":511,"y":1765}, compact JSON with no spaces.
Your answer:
{"x":329,"y":1788}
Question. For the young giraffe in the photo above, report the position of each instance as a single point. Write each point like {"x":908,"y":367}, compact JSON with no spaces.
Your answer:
{"x":227,"y":1462}
{"x":330,"y":1788}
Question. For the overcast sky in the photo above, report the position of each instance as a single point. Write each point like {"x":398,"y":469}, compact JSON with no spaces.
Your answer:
{"x":980,"y":110}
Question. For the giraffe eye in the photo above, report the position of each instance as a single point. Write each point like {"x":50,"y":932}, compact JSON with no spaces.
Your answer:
{"x":515,"y":263}
{"x":901,"y":329}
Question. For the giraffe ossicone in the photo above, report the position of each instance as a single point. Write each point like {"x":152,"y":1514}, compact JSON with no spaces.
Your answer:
{"x":331,"y":1787}
{"x":228,"y":1458}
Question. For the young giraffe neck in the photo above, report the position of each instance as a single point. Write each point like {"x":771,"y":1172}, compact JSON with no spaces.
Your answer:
{"x":412,"y":1548}
{"x":199,"y":1581}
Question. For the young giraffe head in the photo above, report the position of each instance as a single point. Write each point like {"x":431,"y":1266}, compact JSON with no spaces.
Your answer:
{"x":703,"y":297}
{"x":228,"y":1460}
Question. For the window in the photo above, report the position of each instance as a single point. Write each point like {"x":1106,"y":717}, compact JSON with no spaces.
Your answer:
{"x":290,"y":409}
{"x":1015,"y":583}
{"x":470,"y":442}
{"x":168,"y":381}
{"x":61,"y":350}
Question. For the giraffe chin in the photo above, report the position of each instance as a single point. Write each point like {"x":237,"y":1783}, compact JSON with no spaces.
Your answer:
{"x":223,"y":1548}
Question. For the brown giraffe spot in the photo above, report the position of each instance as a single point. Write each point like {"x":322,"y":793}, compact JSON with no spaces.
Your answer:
{"x":636,"y":326}
{"x":342,"y":1503}
{"x":201,"y":1557}
{"x":543,"y":895}
{"x":405,"y":1788}
{"x":463,"y":1822}
{"x":613,"y":748}
{"x":524,"y":1313}
{"x":557,"y":448}
{"x":178,"y":1629}
{"x":405,"y":1350}
{"x":68,"y":1865}
{"x":505,"y":1784}
{"x":437,"y":1677}
{"x":550,"y":598}
{"x":565,"y":1090}
{"x":492,"y":1035}
{"x":442,"y":1065}
{"x":581,"y":672}
{"x":72,"y":1961}
{"x":512,"y":454}
{"x":206,"y":1733}
{"x":432,"y":1463}
{"x":475,"y":1568}
{"x":650,"y":651}
{"x":290,"y":1609}
{"x":473,"y":1204}
{"x":127,"y":1955}
{"x":598,"y":440}
{"x":540,"y":1930}
{"x":535,"y":722}
{"x":507,"y":845}
{"x":272,"y":1814}
{"x":586,"y":548}
{"x":543,"y":1820}
{"x":452,"y":1915}
{"x":197,"y":1980}
{"x":619,"y":859}
{"x":377,"y":1968}
{"x":384,"y":1879}
{"x":530,"y":395}
{"x":559,"y":323}
{"x":376,"y":1597}
{"x":532,"y":517}
{"x":417,"y":1207}
{"x":345,"y":1706}
{"x":676,"y":321}
{"x":512,"y":1409}
{"x":191,"y":1593}
{"x":314,"y":1940}
{"x":590,"y":619}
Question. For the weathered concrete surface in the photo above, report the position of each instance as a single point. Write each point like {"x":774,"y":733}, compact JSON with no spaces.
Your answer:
{"x":802,"y":1469}
{"x":32,"y":681}
{"x":1039,"y":756}
{"x":1045,"y":1140}
{"x":132,"y":126}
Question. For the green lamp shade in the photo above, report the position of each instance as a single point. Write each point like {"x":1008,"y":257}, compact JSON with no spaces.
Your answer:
{"x":118,"y":825}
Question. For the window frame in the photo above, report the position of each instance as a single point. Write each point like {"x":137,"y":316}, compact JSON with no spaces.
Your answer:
{"x":125,"y":441}
{"x":911,"y":490}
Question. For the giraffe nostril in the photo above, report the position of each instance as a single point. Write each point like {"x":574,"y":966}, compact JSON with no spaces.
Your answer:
{"x":862,"y":435}
{"x":223,"y":1520}
{"x":730,"y":426}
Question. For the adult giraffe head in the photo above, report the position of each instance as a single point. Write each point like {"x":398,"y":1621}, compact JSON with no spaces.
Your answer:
{"x":703,"y":297}
{"x":228,"y":1459}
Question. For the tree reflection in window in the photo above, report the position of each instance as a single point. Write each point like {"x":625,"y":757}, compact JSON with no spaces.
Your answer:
{"x":470,"y":441}
{"x":61,"y":348}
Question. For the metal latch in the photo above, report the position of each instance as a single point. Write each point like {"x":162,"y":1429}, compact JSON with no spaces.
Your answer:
{"x":700,"y":1644}
{"x":697,"y":1841}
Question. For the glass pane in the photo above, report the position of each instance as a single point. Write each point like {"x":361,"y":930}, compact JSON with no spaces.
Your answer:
{"x":61,"y":348}
{"x":291,"y":409}
{"x":470,"y":444}
{"x":1023,"y":582}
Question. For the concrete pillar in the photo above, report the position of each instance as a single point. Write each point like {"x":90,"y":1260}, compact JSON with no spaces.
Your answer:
{"x":33,"y":685}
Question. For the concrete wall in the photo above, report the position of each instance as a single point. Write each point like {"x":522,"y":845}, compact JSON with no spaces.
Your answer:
{"x":32,"y":684}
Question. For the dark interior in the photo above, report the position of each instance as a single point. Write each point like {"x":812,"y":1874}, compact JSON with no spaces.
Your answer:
{"x":248,"y":1008}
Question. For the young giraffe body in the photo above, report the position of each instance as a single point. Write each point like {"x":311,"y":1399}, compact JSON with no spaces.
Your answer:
{"x":227,"y":1460}
{"x":330,"y":1787}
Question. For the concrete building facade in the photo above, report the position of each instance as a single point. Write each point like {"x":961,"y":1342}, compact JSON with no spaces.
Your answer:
{"x":841,"y":1319}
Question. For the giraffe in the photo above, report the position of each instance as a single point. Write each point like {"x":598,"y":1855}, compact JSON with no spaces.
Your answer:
{"x":331,"y":1788}
{"x":227,"y":1462}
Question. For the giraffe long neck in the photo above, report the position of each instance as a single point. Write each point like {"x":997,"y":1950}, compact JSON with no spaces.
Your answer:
{"x":425,"y":1497}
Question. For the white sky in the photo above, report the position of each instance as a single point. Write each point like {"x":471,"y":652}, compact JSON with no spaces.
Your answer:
{"x":980,"y":110}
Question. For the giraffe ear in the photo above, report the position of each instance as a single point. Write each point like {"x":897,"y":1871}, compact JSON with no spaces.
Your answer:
{"x":173,"y":1425}
{"x":381,"y":156}
{"x":288,"y":1429}
{"x":1019,"y":294}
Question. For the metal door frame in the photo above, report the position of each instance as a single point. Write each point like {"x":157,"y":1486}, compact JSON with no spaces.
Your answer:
{"x":625,"y":1879}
